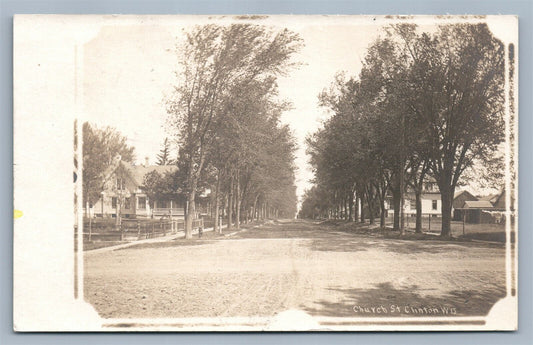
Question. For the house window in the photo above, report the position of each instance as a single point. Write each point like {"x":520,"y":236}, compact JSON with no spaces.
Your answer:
{"x":113,"y":202}
{"x":142,"y":202}
{"x":121,"y":183}
{"x":127,"y":203}
{"x":412,"y":205}
{"x":433,"y":204}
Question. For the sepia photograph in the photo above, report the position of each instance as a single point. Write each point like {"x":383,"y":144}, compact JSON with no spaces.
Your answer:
{"x":267,"y":172}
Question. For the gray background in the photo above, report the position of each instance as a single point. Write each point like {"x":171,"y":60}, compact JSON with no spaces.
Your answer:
{"x":522,"y":8}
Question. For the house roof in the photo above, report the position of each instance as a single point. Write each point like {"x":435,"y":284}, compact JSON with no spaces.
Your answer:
{"x":480,"y":204}
{"x":491,"y":197}
{"x":137,"y":172}
{"x":459,"y":193}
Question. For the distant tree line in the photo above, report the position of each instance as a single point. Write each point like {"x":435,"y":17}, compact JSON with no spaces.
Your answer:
{"x":424,"y":104}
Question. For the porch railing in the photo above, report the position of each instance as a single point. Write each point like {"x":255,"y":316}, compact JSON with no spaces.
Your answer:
{"x":165,"y":211}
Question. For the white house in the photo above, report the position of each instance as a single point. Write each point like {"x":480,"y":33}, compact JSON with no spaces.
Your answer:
{"x":128,"y":185}
{"x":430,"y":197}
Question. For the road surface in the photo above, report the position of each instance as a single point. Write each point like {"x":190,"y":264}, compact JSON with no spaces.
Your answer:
{"x":299,"y":265}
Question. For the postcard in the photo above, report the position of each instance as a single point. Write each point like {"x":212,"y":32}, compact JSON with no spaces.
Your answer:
{"x":265,"y":173}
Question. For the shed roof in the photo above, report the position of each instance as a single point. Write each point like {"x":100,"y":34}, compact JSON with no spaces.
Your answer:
{"x":459,"y":193}
{"x":479,"y":204}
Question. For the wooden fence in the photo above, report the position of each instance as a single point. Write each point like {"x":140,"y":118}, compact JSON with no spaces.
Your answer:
{"x":134,"y":229}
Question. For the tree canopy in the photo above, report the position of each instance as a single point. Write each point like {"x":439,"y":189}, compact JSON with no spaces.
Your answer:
{"x":224,"y":92}
{"x":101,"y":146}
{"x":424,"y":104}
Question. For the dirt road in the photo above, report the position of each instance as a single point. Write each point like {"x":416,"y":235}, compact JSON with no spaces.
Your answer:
{"x":295,"y":265}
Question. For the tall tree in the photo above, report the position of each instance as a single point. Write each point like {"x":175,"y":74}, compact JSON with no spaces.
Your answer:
{"x":426,"y":104}
{"x":214,"y":60}
{"x":458,"y":80}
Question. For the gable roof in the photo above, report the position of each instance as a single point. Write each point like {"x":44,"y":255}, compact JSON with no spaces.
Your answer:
{"x":137,"y":172}
{"x":491,"y":197}
{"x":480,"y":204}
{"x":467,"y":193}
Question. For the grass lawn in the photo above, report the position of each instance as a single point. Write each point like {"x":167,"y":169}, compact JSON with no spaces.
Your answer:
{"x":483,"y":232}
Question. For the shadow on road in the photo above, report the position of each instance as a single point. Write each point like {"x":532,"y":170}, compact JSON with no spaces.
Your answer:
{"x":338,"y":245}
{"x":293,"y":229}
{"x":430,"y":247}
{"x":384,"y":300}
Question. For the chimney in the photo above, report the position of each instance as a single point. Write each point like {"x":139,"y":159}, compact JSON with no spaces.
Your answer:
{"x":145,"y":161}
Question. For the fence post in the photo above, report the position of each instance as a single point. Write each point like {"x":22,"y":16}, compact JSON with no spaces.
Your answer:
{"x":121,"y":228}
{"x":153,"y":230}
{"x":164,"y":229}
{"x":429,"y":218}
{"x":138,"y":230}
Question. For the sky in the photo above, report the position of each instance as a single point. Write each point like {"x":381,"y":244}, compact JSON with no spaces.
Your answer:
{"x":128,"y":70}
{"x":129,"y":67}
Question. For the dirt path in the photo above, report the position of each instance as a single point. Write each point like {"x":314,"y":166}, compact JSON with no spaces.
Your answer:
{"x":296,"y":265}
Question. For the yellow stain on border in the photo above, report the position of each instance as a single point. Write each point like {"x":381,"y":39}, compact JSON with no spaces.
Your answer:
{"x":17,"y":214}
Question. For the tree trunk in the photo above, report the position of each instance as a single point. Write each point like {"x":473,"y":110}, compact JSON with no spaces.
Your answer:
{"x":230,"y":204}
{"x":192,"y":183}
{"x":396,"y":205}
{"x":402,"y":214}
{"x":255,"y":215}
{"x":402,"y":202}
{"x":382,"y":215}
{"x":238,"y":202}
{"x":218,"y":227}
{"x":362,"y":207}
{"x":370,"y":202}
{"x":446,"y":199}
{"x":345,"y":205}
{"x":356,"y":207}
{"x":350,"y":207}
{"x":189,"y":217}
{"x":418,"y":196}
